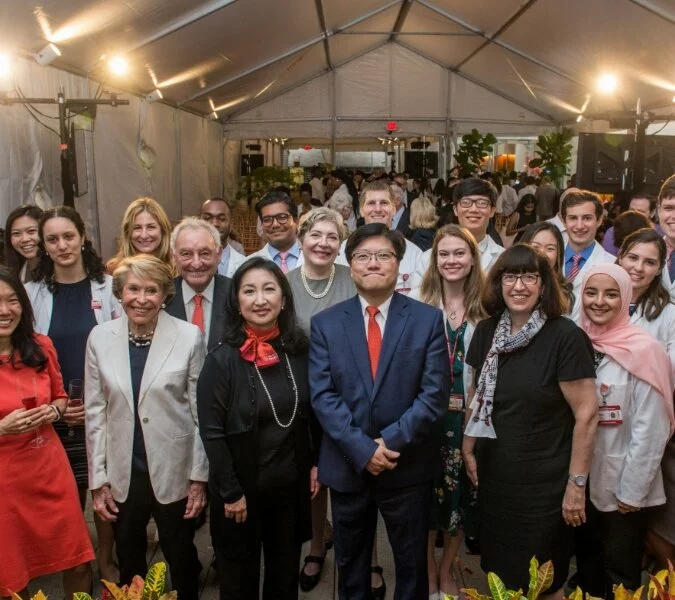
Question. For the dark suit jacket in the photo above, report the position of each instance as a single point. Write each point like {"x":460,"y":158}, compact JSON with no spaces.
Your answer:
{"x":409,"y":394}
{"x":176,"y":308}
{"x":404,"y":223}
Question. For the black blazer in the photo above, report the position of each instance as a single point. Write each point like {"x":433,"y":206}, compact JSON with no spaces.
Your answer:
{"x":176,"y":308}
{"x":404,"y":223}
{"x":228,"y":418}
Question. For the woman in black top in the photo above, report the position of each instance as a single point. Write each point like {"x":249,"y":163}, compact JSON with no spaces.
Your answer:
{"x":260,"y":437}
{"x":524,"y":215}
{"x":531,"y":422}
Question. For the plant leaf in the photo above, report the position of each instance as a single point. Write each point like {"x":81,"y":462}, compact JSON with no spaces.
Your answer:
{"x":543,"y":582}
{"x":534,"y":569}
{"x":81,"y":596}
{"x":154,"y":582}
{"x":117,"y":592}
{"x":497,"y":587}
{"x":577,"y":594}
{"x":621,"y":593}
{"x":136,"y":588}
{"x":637,"y":594}
{"x":39,"y":596}
{"x":173,"y":595}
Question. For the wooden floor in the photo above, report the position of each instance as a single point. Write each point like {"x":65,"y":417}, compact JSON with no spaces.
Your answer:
{"x":468,"y":569}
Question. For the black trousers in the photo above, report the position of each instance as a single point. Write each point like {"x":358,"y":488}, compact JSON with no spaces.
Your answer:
{"x":406,"y":515}
{"x":273,"y":524}
{"x":609,"y":549}
{"x":176,"y":537}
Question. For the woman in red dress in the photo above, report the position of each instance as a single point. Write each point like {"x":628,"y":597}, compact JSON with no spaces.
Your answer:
{"x":42,"y":529}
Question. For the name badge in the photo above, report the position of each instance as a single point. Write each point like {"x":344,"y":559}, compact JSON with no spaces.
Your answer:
{"x":456,"y":402}
{"x":405,"y":289}
{"x":96,"y":305}
{"x":609,"y":414}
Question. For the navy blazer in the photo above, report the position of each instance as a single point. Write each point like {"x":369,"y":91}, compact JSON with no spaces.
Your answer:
{"x":409,"y":394}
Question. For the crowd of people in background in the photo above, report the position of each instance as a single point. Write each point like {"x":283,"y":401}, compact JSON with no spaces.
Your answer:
{"x":487,"y":360}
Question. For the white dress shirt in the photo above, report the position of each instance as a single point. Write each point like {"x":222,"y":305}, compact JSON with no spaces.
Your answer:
{"x":380,"y":318}
{"x":207,"y":304}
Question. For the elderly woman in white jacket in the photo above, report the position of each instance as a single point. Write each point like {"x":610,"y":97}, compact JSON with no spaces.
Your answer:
{"x":453,"y":283}
{"x":145,"y":454}
{"x":635,"y":420}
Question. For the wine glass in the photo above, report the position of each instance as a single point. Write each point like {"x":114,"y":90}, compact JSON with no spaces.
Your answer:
{"x":30,"y":402}
{"x":75,"y":398}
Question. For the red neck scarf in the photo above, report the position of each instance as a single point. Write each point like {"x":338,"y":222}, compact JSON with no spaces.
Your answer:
{"x":256,"y":349}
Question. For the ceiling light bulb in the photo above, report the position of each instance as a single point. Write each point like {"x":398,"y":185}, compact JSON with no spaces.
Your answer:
{"x":118,"y":65}
{"x":580,"y":118}
{"x":47,"y":55}
{"x":607,"y":83}
{"x":673,"y":98}
{"x":154,"y":96}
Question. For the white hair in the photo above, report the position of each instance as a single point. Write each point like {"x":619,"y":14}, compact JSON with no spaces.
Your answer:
{"x":339,"y":202}
{"x":194,"y":223}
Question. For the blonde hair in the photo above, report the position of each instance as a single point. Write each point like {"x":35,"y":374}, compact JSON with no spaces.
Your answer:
{"x":423,"y":214}
{"x":146,"y":267}
{"x":317,"y":215}
{"x":431,"y":290}
{"x":126,"y":249}
{"x":379,"y":185}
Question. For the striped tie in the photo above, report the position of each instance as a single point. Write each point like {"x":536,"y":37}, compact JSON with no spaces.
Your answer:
{"x":574,"y":270}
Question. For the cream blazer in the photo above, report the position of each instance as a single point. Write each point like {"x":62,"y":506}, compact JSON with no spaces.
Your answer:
{"x":167,"y":408}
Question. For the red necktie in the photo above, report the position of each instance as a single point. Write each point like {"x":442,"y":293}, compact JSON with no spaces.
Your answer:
{"x":374,"y":338}
{"x":198,"y":314}
{"x":574,"y":269}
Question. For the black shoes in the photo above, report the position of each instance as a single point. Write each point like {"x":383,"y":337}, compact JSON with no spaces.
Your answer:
{"x":309,"y":582}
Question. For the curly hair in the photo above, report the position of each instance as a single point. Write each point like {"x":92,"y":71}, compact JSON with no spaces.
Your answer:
{"x":91,"y":261}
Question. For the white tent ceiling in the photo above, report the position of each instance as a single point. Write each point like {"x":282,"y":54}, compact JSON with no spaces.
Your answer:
{"x":340,"y":68}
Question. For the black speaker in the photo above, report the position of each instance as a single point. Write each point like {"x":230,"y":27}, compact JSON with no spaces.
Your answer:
{"x":421,"y":164}
{"x":253,"y":147}
{"x":419,"y":145}
{"x":601,"y":161}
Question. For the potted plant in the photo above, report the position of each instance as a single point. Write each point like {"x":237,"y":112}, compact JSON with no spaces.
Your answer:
{"x":474,"y":148}
{"x":260,"y":181}
{"x":554,"y":153}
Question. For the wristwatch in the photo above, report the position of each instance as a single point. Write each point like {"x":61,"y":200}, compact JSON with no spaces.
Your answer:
{"x":578,"y":480}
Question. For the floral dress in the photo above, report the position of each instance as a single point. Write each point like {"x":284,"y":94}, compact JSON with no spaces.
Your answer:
{"x":452,"y":492}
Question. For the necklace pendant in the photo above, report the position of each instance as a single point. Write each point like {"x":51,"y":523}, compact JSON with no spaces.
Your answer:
{"x":453,"y":315}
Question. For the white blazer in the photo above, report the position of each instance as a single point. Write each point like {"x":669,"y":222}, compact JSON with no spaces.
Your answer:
{"x":626,"y":463}
{"x":106,"y":306}
{"x":599,"y":256}
{"x":662,"y":328}
{"x":265,"y":253}
{"x":410,"y":271}
{"x":489,"y":254}
{"x":236,"y":259}
{"x":167,"y":408}
{"x":667,"y":283}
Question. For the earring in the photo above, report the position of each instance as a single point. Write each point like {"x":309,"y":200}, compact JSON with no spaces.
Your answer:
{"x":82,"y":248}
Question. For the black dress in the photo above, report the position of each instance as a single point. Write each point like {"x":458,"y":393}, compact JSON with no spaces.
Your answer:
{"x":522,"y":474}
{"x":72,"y":321}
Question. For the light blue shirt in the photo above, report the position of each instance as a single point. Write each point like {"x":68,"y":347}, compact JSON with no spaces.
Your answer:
{"x":585,"y":254}
{"x":397,"y":217}
{"x":224,"y":261}
{"x":291,"y":259}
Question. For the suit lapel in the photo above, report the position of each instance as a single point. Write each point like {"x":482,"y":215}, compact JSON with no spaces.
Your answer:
{"x":120,"y":359}
{"x":177,"y":306}
{"x":396,"y":321}
{"x":356,"y":334}
{"x":217,"y":313}
{"x":160,"y":349}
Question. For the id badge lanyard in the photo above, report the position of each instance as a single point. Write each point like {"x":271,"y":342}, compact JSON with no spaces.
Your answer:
{"x":456,"y":400}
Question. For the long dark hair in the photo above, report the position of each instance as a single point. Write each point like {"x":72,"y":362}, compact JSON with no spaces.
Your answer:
{"x":292,"y":336}
{"x":91,"y":261}
{"x":656,"y":297}
{"x":26,"y":347}
{"x":13,"y":259}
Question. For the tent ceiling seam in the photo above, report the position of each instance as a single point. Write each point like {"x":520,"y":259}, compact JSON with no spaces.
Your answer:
{"x":655,"y":10}
{"x":285,"y":55}
{"x":406,"y":5}
{"x":322,"y":24}
{"x":501,"y":44}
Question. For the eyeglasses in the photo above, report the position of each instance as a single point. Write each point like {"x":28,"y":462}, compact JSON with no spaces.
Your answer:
{"x":363,"y":258}
{"x":281,"y":218}
{"x":467,"y":202}
{"x":525,"y":278}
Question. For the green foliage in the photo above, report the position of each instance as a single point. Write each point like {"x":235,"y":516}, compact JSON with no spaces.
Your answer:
{"x":541,"y":578}
{"x":474,"y":148}
{"x":262,"y":180}
{"x":554,"y":153}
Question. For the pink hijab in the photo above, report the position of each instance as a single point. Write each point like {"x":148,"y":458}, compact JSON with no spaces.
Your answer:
{"x":629,"y":345}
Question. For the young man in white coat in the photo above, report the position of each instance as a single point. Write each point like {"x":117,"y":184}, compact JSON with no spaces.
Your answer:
{"x":666,"y":208}
{"x":582,"y":213}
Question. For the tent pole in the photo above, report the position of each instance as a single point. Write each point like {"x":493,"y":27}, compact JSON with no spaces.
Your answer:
{"x":334,"y":120}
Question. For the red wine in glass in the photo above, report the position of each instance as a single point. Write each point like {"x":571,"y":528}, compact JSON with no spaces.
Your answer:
{"x":28,"y":403}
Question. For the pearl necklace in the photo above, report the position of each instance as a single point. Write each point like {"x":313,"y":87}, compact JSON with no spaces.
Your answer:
{"x":328,"y":285}
{"x":141,"y":341}
{"x":269,"y":397}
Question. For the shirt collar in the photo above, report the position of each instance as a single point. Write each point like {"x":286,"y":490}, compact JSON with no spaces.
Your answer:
{"x":293,"y":251}
{"x":585,"y":253}
{"x":225,"y":256}
{"x":384,"y":307}
{"x":483,"y":244}
{"x":189,"y":293}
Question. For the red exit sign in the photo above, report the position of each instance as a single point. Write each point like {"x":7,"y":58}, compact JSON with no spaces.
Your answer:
{"x":392,"y":126}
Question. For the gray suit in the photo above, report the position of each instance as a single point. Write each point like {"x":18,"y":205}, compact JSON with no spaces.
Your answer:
{"x":221,"y":288}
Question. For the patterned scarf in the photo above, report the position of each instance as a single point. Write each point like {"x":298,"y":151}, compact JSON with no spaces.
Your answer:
{"x":256,"y":349}
{"x":480,"y":424}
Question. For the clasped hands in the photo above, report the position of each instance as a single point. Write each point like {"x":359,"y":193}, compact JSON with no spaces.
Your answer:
{"x":22,"y":420}
{"x":382,"y":459}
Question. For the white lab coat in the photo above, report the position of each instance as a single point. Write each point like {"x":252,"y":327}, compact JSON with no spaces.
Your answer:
{"x":599,"y":256}
{"x":410,"y":271}
{"x":662,"y":328}
{"x":626,"y":463}
{"x":106,"y":306}
{"x":236,"y":259}
{"x":560,"y":224}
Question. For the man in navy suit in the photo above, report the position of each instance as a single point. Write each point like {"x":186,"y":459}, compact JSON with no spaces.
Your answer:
{"x":379,"y":381}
